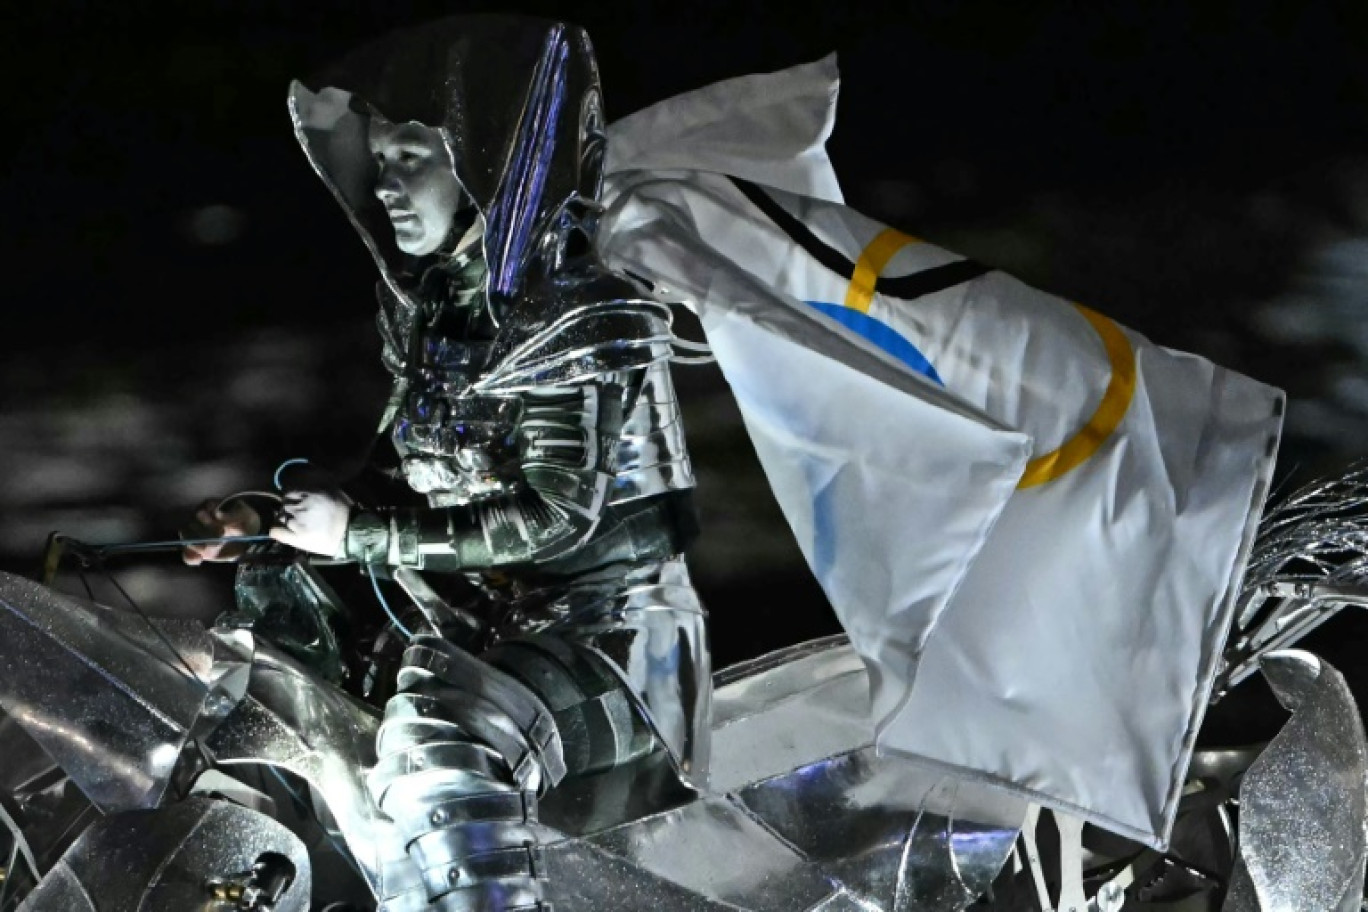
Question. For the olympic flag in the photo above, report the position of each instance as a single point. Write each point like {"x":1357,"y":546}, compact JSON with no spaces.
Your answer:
{"x":1069,"y":654}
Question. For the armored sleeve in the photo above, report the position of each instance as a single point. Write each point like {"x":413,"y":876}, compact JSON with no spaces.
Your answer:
{"x":566,"y":443}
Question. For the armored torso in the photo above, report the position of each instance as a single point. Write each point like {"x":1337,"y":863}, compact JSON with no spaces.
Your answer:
{"x":533,"y":407}
{"x":475,"y":408}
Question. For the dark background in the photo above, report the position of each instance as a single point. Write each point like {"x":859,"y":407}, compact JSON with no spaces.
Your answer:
{"x":186,"y":307}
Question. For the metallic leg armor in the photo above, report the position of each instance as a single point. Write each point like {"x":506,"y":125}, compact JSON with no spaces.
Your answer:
{"x":462,"y":755}
{"x":469,"y":744}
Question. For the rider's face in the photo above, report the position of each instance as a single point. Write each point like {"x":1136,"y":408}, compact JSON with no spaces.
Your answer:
{"x":416,"y":183}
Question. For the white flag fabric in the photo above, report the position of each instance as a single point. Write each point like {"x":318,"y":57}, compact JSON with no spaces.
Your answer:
{"x":811,"y":395}
{"x":1069,"y":654}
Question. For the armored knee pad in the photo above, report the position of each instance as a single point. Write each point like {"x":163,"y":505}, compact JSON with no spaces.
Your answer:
{"x":463,"y":752}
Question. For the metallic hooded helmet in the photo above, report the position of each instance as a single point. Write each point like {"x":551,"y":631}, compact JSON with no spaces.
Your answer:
{"x":518,"y":105}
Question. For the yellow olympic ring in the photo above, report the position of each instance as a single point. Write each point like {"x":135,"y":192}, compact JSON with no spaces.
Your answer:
{"x":1116,"y":399}
{"x":871,"y":264}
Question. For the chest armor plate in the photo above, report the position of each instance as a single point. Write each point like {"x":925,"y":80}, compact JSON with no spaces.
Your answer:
{"x":456,"y":447}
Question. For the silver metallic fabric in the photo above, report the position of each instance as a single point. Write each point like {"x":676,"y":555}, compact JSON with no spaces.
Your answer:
{"x":552,"y":427}
{"x":177,"y":858}
{"x":533,"y":408}
{"x":648,"y":625}
{"x":1303,"y":807}
{"x":531,"y":382}
{"x":1316,"y":534}
{"x":519,"y":103}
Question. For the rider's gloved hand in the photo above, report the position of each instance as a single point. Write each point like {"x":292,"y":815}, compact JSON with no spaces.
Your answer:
{"x":313,"y":521}
{"x":215,"y":519}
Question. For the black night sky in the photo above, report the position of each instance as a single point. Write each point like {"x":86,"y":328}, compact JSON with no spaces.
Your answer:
{"x":187,"y":307}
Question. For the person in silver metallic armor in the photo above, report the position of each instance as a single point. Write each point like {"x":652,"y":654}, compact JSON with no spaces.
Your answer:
{"x":533,"y":409}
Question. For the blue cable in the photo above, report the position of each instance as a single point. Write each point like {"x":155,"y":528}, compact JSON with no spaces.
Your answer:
{"x":275,"y":479}
{"x":375,"y":584}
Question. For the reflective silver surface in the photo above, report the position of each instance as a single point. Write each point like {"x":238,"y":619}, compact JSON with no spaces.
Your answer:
{"x":652,"y":457}
{"x":897,"y":835}
{"x":291,"y":719}
{"x":809,"y":817}
{"x":788,"y":709}
{"x":462,"y":753}
{"x":523,"y":315}
{"x":533,"y":395}
{"x":167,"y":859}
{"x":702,"y":846}
{"x":60,"y":891}
{"x":585,"y":878}
{"x":517,"y":101}
{"x":849,"y":831}
{"x":649,"y":625}
{"x":1307,"y":563}
{"x":836,"y":829}
{"x":41,"y":810}
{"x":1302,"y":804}
{"x":110,"y":695}
{"x":441,"y":616}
